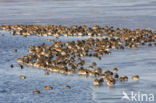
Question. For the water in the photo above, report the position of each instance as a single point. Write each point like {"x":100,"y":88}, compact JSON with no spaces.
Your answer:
{"x":119,"y":13}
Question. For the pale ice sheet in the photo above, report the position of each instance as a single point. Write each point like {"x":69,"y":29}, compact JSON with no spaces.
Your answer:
{"x":131,"y":62}
{"x":118,"y":13}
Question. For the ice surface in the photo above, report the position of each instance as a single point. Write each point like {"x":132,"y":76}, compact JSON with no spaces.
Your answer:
{"x":14,"y":90}
{"x":118,"y":13}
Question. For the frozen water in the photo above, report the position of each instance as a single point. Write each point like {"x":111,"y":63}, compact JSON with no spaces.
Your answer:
{"x":118,"y":13}
{"x":14,"y":90}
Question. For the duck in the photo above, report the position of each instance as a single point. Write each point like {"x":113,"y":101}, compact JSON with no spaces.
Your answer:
{"x":96,"y":82}
{"x":11,"y":66}
{"x":68,"y":87}
{"x":125,"y":78}
{"x":115,"y":70}
{"x":94,"y":64}
{"x":82,"y":71}
{"x":116,"y":76}
{"x":20,"y":66}
{"x":135,"y":77}
{"x":36,"y":92}
{"x":70,"y":71}
{"x":22,"y":77}
{"x":15,"y":50}
{"x":98,"y":70}
{"x":110,"y":83}
{"x":48,"y":88}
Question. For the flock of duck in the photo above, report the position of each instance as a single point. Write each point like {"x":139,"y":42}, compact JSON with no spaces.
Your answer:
{"x":67,"y":57}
